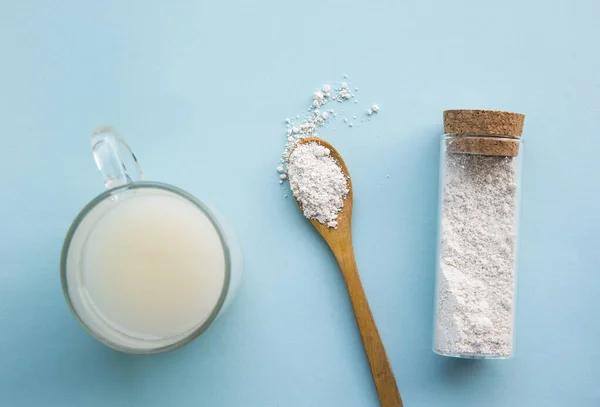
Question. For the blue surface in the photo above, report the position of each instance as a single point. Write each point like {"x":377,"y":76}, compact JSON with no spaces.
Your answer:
{"x":201,"y":90}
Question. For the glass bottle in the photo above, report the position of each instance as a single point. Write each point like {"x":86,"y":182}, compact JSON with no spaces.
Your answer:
{"x":477,"y":234}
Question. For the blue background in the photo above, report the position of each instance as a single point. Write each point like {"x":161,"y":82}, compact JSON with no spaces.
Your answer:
{"x":201,"y":90}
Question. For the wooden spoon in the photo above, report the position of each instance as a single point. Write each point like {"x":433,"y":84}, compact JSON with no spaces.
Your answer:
{"x":340,"y":242}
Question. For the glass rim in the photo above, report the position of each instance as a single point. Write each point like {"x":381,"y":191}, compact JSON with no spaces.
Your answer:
{"x":151,"y":185}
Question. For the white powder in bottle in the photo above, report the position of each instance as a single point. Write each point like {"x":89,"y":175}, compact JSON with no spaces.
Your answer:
{"x":317,"y":182}
{"x":476,"y":286}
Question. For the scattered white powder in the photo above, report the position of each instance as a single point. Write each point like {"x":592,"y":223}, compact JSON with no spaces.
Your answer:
{"x":344,"y":93}
{"x":476,"y":287}
{"x":317,"y":182}
{"x":317,"y":117}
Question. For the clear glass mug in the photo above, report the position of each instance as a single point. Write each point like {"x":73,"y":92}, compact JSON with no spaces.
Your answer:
{"x":146,"y":267}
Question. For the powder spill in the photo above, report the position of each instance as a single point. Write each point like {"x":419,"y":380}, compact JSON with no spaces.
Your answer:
{"x":317,"y":117}
{"x":477,"y":256}
{"x":317,"y":182}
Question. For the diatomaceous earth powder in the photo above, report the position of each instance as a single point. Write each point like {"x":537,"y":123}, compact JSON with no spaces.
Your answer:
{"x":320,"y":113}
{"x":476,"y":286}
{"x":317,"y":182}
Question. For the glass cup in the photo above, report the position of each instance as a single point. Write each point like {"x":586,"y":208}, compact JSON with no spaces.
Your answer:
{"x":146,"y":267}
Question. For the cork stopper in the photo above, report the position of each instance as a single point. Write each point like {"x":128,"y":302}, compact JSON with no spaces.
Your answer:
{"x":485,"y":132}
{"x":483,"y":122}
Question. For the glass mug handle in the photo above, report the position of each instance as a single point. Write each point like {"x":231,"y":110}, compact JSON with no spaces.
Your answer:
{"x":111,"y":153}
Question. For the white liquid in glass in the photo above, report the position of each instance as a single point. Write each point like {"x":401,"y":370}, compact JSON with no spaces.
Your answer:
{"x":152,"y":265}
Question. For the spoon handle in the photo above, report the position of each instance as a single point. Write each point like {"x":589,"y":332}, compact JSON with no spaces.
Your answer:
{"x":383,"y":376}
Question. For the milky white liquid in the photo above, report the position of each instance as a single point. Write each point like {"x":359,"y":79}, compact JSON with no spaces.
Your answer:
{"x":152,"y":265}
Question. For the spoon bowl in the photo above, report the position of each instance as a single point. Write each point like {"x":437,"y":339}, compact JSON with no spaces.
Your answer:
{"x":344,"y":219}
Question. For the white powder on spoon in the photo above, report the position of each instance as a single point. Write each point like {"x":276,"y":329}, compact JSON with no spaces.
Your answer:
{"x":317,"y":182}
